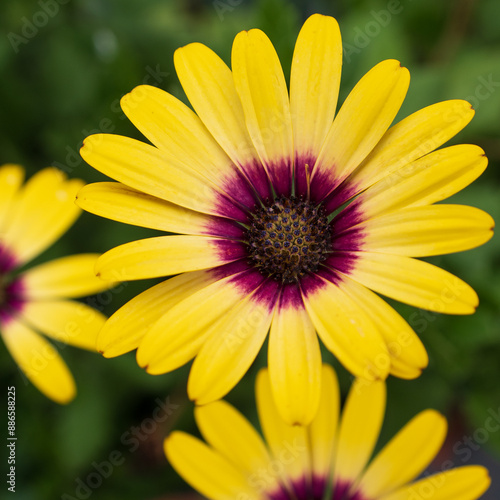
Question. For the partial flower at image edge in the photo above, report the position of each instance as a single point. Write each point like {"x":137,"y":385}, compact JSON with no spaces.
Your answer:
{"x":328,"y":459}
{"x":35,"y":303}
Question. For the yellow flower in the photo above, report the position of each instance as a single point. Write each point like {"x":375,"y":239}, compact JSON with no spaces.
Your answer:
{"x":326,"y":460}
{"x":289,"y":216}
{"x":33,"y":217}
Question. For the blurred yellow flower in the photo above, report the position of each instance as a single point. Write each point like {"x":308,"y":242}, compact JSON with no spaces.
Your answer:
{"x":34,"y":301}
{"x":326,"y":460}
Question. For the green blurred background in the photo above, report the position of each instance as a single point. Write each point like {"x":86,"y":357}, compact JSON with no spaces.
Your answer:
{"x":64,"y":66}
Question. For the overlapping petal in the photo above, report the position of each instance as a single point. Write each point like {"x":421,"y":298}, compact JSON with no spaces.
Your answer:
{"x":175,"y":129}
{"x":412,"y":138}
{"x":261,"y":85}
{"x":428,"y":180}
{"x":210,"y":88}
{"x":415,"y":282}
{"x":361,"y":122}
{"x":406,"y":355}
{"x":124,"y":204}
{"x":426,"y":230}
{"x":282,"y":439}
{"x":236,"y":439}
{"x":167,"y":176}
{"x":125,"y":329}
{"x":346,"y":329}
{"x":179,"y":334}
{"x":232,"y":346}
{"x":207,"y":471}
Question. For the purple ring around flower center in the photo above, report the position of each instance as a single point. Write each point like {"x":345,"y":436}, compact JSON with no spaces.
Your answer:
{"x":318,"y":488}
{"x":12,"y":290}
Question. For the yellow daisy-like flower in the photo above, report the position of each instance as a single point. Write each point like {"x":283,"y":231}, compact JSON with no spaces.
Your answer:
{"x":33,"y":217}
{"x":326,"y":460}
{"x":289,"y":216}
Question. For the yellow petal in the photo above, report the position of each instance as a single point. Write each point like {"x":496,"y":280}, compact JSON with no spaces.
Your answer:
{"x":174,"y":129}
{"x":261,"y":85}
{"x":67,"y":277}
{"x":288,"y":444}
{"x":412,"y":138}
{"x":11,"y":179}
{"x":209,"y":86}
{"x":414,"y":282}
{"x":70,"y":322}
{"x":428,"y":230}
{"x":407,"y":356}
{"x":39,"y":361}
{"x":323,"y":428}
{"x":206,"y":470}
{"x":406,"y":456}
{"x":346,"y":330}
{"x":123,"y":204}
{"x":125,"y":329}
{"x":462,"y":483}
{"x":361,"y":122}
{"x":314,"y":82}
{"x":433,"y":178}
{"x":360,"y":425}
{"x":179,"y":334}
{"x":165,"y":256}
{"x":230,"y":349}
{"x":294,"y":360}
{"x":232,"y":435}
{"x":42,"y":211}
{"x":155,"y":172}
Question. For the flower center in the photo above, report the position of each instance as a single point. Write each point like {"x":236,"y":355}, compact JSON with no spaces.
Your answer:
{"x":288,"y":239}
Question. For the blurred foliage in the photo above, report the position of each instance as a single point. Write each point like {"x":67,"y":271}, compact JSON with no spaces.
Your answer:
{"x":63,"y":73}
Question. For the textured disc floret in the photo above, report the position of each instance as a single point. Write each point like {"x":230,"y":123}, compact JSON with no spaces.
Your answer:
{"x":288,"y":238}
